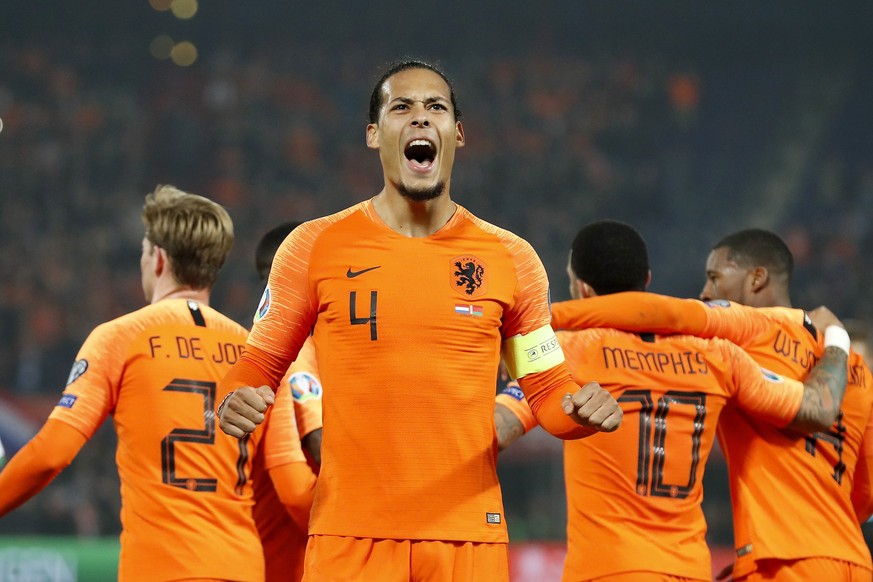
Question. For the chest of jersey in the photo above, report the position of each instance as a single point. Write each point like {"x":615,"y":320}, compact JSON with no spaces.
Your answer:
{"x":388,"y":292}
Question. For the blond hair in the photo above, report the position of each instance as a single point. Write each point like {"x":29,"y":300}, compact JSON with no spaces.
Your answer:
{"x":196,"y":233}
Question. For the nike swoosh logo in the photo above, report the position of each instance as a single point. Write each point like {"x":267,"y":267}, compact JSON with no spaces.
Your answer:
{"x":352,"y":274}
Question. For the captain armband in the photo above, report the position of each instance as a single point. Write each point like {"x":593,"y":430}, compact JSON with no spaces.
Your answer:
{"x":535,"y":352}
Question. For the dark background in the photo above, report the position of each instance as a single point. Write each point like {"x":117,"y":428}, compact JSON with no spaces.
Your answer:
{"x":687,"y":120}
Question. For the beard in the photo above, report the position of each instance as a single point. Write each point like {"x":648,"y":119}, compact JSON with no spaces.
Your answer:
{"x":422,"y":194}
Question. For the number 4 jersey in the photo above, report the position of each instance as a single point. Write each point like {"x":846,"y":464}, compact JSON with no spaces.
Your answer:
{"x":634,"y":495}
{"x":186,"y":495}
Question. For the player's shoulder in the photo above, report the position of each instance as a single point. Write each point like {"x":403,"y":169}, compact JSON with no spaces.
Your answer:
{"x":308,"y":232}
{"x":215,"y":319}
{"x":493,"y":239}
{"x":506,"y":237}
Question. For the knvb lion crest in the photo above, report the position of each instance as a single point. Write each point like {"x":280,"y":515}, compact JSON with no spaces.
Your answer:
{"x":469,"y":276}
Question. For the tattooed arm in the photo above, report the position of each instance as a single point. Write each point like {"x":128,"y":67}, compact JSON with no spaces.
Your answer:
{"x":507,"y":425}
{"x":823,"y":392}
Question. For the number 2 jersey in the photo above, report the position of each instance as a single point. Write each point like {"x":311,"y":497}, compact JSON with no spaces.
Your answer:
{"x":186,"y":494}
{"x":408,"y":333}
{"x":791,"y":494}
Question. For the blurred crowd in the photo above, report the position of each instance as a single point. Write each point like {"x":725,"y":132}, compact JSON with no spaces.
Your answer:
{"x":554,"y":140}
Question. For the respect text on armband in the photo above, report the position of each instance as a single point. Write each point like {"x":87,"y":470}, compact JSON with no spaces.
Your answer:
{"x":542,"y":349}
{"x":194,"y":348}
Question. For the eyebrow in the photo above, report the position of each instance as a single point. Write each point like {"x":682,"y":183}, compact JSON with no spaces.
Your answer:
{"x":427,"y":101}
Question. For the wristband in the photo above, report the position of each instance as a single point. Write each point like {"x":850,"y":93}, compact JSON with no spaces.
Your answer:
{"x":837,"y":337}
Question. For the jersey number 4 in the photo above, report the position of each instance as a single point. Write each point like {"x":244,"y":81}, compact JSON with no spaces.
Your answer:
{"x":835,"y":437}
{"x":204,"y":436}
{"x":651,"y":454}
{"x":355,"y":320}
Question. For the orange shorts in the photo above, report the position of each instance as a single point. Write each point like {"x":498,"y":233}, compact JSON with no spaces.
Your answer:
{"x":639,"y":577}
{"x":807,"y":569}
{"x":345,"y":559}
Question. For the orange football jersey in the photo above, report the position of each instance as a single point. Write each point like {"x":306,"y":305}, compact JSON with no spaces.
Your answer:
{"x":408,"y":334}
{"x":303,"y":380}
{"x":185,"y":486}
{"x":634,"y":495}
{"x":283,"y":540}
{"x":791,"y":493}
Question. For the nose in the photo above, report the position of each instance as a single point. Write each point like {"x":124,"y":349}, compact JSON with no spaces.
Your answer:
{"x":419,"y":117}
{"x":705,"y":294}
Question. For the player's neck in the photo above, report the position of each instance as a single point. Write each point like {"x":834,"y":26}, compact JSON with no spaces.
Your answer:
{"x":172,"y":290}
{"x":413,"y":219}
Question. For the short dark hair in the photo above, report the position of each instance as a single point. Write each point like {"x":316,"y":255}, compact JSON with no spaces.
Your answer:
{"x":269,"y":244}
{"x":611,"y":257}
{"x":405,"y":65}
{"x":756,"y":247}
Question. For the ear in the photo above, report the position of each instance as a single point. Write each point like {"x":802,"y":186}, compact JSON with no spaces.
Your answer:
{"x":586,"y":290}
{"x":373,"y":136}
{"x":759,"y":278}
{"x":648,"y":279}
{"x":162,"y":262}
{"x":459,"y":135}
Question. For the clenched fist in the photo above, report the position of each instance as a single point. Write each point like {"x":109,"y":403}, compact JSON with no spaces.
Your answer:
{"x":243,"y":410}
{"x":593,"y":407}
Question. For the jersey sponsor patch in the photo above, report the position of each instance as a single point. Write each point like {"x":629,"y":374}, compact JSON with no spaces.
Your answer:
{"x":79,"y":368}
{"x":492,"y":518}
{"x":772,"y":376}
{"x":263,"y":306}
{"x":469,"y":310}
{"x":468,"y":276}
{"x":67,"y":400}
{"x":304,"y":387}
{"x":718,"y":303}
{"x":514,"y":391}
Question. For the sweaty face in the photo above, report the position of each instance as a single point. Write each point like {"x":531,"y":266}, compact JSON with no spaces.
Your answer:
{"x":416,"y":134}
{"x":725,"y":279}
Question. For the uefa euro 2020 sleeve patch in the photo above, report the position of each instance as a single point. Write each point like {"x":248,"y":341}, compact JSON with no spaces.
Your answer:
{"x":304,"y":386}
{"x":263,"y":306}
{"x":79,"y":368}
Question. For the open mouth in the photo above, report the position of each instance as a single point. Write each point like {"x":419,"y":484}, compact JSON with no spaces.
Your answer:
{"x":420,"y":153}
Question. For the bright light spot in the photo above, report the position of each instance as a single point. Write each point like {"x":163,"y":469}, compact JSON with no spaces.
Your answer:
{"x":161,"y":47}
{"x":184,"y":54}
{"x":184,"y":9}
{"x":161,"y":5}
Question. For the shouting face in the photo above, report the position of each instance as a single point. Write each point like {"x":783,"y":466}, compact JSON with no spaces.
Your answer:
{"x":416,"y":134}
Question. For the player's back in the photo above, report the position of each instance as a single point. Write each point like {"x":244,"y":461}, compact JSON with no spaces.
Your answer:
{"x":186,"y":490}
{"x":791,"y":492}
{"x":634,"y":496}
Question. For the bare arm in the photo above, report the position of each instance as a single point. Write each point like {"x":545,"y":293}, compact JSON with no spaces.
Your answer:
{"x":508,"y":427}
{"x":823,"y":392}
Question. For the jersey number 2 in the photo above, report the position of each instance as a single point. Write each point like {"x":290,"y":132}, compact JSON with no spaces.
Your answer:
{"x":651,"y":455}
{"x":205,"y":436}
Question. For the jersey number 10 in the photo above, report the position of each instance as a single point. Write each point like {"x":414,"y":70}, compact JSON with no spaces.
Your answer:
{"x":651,"y":454}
